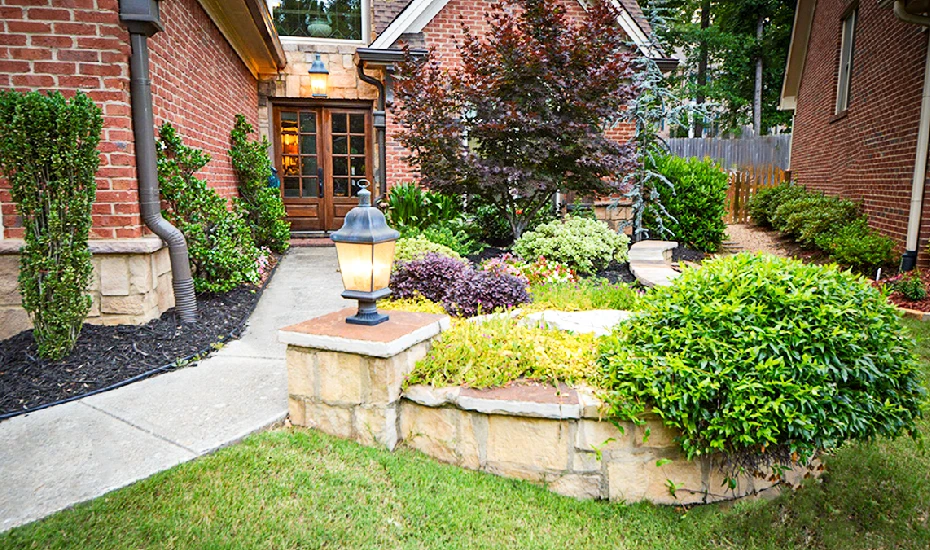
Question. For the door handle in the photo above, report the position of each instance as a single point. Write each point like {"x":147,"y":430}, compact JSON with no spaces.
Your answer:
{"x":319,"y":179}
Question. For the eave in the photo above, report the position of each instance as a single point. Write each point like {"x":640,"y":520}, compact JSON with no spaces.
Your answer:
{"x":249,"y":29}
{"x":797,"y":54}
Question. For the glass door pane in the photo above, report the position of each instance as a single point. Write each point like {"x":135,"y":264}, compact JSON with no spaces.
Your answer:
{"x":309,"y":161}
{"x":349,"y":145}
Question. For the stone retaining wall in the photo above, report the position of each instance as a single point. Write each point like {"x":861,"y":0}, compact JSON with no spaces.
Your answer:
{"x":572,"y":452}
{"x":131,"y":284}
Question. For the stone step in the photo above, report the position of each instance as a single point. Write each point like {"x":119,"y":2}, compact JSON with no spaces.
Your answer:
{"x":659,"y":252}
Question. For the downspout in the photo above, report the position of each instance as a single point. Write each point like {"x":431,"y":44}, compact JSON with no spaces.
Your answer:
{"x":141,"y":26}
{"x":909,"y":259}
{"x":379,"y":121}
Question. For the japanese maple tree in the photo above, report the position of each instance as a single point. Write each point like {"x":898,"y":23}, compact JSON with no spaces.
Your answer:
{"x":523,"y":114}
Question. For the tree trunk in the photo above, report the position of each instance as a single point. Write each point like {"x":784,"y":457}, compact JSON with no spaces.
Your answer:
{"x":757,"y":97}
{"x":699,"y":97}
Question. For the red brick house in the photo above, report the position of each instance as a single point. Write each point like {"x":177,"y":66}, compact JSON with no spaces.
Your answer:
{"x":858,"y":81}
{"x":210,"y":60}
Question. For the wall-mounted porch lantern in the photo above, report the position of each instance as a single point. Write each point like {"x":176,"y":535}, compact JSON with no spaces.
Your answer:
{"x":319,"y":78}
{"x":365,"y":248}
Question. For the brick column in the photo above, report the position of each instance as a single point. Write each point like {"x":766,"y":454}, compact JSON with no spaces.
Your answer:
{"x":346,"y":380}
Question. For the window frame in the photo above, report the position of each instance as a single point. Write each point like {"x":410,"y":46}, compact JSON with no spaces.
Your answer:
{"x":847,"y":53}
{"x":313,"y":40}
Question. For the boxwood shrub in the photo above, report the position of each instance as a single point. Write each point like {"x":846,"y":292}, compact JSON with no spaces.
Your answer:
{"x":694,"y":203}
{"x":759,"y":356}
{"x":579,"y":243}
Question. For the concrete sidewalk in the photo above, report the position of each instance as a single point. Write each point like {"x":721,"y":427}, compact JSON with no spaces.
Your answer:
{"x":58,"y":457}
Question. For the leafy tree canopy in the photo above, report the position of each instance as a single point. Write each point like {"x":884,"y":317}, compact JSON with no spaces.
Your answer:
{"x":523,"y":114}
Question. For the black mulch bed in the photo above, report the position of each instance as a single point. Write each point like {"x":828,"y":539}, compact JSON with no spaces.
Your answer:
{"x":488,"y":253}
{"x":616,"y":272}
{"x":108,"y":355}
{"x":685,"y":254}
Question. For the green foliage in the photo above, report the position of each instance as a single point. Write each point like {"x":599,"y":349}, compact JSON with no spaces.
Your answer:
{"x":749,"y":355}
{"x":501,"y":350}
{"x":858,"y":246}
{"x":219,"y":242}
{"x":808,"y":218}
{"x":694,"y":204}
{"x":581,"y":244}
{"x":762,"y":205}
{"x":584,"y":295}
{"x":261,"y":205}
{"x":452,"y":234}
{"x":48,"y":152}
{"x":409,"y":206}
{"x":411,"y":248}
{"x":910,"y":285}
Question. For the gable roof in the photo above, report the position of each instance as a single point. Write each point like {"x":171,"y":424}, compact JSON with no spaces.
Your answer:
{"x":416,"y":14}
{"x":797,"y":54}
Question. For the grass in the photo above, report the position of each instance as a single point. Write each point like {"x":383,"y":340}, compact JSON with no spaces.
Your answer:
{"x":586,"y":294}
{"x":295,"y":488}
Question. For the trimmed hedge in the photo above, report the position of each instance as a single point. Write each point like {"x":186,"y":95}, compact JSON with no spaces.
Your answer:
{"x":694,"y":203}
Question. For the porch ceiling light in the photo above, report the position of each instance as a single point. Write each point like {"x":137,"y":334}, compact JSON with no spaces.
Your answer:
{"x":319,"y":78}
{"x":365,"y":248}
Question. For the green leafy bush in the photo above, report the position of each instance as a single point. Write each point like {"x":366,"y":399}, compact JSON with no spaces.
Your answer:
{"x":581,"y":244}
{"x":858,"y":246}
{"x":222,"y":253}
{"x":763,"y":204}
{"x":694,"y":204}
{"x":48,"y":152}
{"x":449,"y":233}
{"x":501,"y":350}
{"x":412,"y":248}
{"x":409,"y":206}
{"x":910,"y":285}
{"x":809,"y":216}
{"x":759,"y":356}
{"x":261,"y":204}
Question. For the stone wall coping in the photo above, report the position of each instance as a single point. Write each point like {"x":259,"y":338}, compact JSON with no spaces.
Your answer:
{"x":522,"y":399}
{"x":330,"y":332}
{"x":142,"y":245}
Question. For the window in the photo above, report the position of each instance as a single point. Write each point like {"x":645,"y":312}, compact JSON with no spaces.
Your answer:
{"x":331,"y":19}
{"x":847,"y":48}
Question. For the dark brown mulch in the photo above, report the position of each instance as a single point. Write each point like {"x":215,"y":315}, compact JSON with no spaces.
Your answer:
{"x":686,"y":254}
{"x":616,"y":272}
{"x":488,"y":253}
{"x":108,"y":355}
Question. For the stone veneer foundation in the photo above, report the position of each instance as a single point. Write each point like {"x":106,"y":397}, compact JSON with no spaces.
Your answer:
{"x":131,"y":283}
{"x":347,"y":381}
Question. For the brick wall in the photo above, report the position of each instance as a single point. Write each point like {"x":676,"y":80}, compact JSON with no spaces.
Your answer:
{"x":442,"y":34}
{"x":868,"y":155}
{"x":199,"y":84}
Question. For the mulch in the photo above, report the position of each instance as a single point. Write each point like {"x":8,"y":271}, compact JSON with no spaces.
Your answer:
{"x":616,"y":272}
{"x":105,"y":356}
{"x":686,"y":254}
{"x":899,"y":300}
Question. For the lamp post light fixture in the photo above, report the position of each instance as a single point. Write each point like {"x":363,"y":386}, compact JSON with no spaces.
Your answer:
{"x":319,"y":77}
{"x":365,"y":248}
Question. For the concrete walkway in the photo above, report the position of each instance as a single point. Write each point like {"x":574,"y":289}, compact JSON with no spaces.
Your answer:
{"x":57,"y":457}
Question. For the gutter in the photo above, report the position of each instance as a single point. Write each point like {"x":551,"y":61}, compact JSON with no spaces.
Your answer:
{"x":909,"y":259}
{"x":385,"y":60}
{"x":142,"y":19}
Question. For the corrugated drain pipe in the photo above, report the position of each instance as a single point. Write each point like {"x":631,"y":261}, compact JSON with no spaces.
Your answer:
{"x":909,"y":260}
{"x":380,"y":123}
{"x":143,"y":129}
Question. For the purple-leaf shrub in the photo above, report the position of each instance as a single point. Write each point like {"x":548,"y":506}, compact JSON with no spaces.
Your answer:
{"x":483,"y":292}
{"x":430,"y":276}
{"x":462,"y":290}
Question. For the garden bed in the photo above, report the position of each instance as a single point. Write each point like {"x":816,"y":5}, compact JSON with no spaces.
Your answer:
{"x":106,"y":357}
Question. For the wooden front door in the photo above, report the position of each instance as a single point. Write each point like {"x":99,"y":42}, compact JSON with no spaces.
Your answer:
{"x":322,"y":155}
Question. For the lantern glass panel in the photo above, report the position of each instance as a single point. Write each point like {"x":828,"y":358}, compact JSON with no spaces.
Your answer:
{"x":318,"y":84}
{"x":356,"y":264}
{"x":382,"y":259}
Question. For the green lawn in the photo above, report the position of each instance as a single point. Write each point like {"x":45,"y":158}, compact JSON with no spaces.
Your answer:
{"x":300,"y":489}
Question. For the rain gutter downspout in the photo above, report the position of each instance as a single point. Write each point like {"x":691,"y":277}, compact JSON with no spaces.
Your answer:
{"x":142,"y":19}
{"x":909,"y":259}
{"x":379,"y":121}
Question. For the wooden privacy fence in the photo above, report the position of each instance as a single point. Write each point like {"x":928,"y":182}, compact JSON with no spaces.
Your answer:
{"x":744,"y":183}
{"x":736,"y":153}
